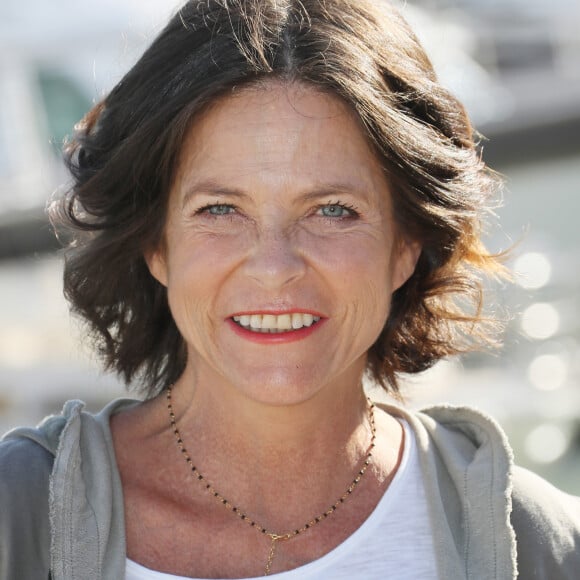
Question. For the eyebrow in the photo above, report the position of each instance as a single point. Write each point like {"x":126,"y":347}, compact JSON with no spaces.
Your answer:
{"x":213,"y":187}
{"x":328,"y":189}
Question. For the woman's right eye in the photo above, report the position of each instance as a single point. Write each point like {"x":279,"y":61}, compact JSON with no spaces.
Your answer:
{"x":217,"y":209}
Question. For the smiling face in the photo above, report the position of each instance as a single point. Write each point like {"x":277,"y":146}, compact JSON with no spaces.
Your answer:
{"x":280,"y":252}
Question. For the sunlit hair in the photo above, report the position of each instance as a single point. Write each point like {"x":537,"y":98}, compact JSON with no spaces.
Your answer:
{"x":123,"y":157}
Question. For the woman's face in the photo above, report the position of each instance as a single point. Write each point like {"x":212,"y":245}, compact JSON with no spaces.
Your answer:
{"x":280,"y":253}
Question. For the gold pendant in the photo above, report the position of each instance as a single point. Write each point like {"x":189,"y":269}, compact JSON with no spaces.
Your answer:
{"x":275,"y":538}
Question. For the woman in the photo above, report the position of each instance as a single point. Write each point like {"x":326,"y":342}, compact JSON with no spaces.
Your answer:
{"x":277,"y":200}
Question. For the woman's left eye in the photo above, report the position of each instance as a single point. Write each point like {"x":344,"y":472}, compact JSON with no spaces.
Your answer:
{"x":217,"y":209}
{"x":336,"y":210}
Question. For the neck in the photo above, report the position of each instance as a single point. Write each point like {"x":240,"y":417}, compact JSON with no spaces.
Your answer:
{"x":330,"y":418}
{"x":254,"y":454}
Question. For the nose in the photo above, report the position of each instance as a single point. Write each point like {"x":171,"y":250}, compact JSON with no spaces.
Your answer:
{"x":275,"y":260}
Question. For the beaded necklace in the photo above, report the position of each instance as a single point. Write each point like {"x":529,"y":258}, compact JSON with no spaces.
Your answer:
{"x":274,"y":537}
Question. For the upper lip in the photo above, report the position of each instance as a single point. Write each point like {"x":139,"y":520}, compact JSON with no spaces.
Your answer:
{"x":277,"y":312}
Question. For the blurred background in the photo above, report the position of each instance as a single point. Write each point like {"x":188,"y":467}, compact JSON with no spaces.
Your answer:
{"x":514,"y":64}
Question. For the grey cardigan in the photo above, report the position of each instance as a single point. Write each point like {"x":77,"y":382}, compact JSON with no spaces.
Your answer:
{"x":61,"y":501}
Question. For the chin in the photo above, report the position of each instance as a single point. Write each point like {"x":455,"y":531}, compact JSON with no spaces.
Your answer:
{"x":280,"y":390}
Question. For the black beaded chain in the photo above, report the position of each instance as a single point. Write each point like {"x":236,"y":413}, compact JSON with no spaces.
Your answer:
{"x":274,"y":537}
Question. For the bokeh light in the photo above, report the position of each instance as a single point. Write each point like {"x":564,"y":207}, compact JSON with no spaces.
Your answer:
{"x":546,"y":443}
{"x":540,"y":321}
{"x":533,"y":270}
{"x":548,"y":372}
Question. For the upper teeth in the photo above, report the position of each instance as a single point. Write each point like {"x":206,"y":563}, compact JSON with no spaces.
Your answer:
{"x":276,"y":323}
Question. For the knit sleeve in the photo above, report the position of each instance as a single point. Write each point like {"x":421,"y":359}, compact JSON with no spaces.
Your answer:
{"x":547,"y":526}
{"x":25,"y":469}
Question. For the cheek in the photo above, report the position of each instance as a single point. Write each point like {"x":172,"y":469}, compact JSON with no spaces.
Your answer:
{"x":189,"y":307}
{"x":358,"y":259}
{"x":359,"y":268}
{"x":371,"y":309}
{"x":204,"y":257}
{"x":197,"y":270}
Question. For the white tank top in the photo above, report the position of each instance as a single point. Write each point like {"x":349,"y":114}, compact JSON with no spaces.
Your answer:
{"x":395,"y":541}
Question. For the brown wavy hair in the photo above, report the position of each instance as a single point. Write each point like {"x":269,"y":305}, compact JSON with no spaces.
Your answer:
{"x":124,"y":153}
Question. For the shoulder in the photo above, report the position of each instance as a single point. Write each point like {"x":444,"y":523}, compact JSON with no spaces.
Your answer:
{"x":23,"y":461}
{"x":25,"y":468}
{"x":28,"y":455}
{"x":547,"y":526}
{"x":26,"y":459}
{"x":42,"y":483}
{"x":462,"y":438}
{"x":469,"y":458}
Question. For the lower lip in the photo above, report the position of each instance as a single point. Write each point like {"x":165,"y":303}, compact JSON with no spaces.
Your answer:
{"x":275,"y":338}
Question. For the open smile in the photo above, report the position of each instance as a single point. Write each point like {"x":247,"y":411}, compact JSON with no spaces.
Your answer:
{"x":276,"y":323}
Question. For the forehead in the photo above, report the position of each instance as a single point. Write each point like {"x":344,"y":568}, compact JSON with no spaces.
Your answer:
{"x":276,"y":133}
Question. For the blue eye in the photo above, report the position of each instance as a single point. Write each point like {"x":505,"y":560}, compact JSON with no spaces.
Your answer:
{"x":217,"y":209}
{"x":336,"y":210}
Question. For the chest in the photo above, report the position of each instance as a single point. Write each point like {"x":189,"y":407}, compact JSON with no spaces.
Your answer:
{"x":385,"y":531}
{"x":204,"y":540}
{"x":395,"y":541}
